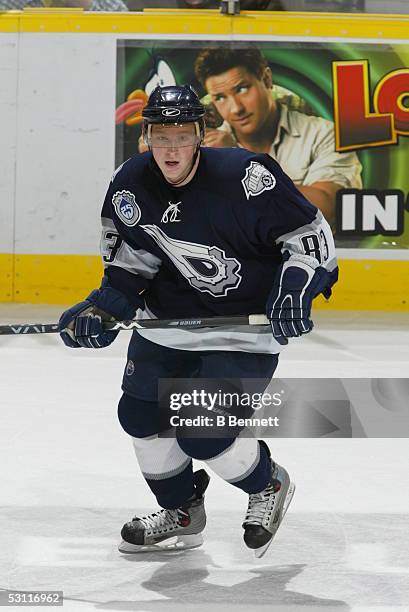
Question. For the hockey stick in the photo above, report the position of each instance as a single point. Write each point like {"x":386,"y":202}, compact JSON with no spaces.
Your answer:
{"x":52,"y":328}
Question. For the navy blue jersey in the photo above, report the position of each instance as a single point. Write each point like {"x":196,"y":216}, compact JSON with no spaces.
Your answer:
{"x":211,"y":247}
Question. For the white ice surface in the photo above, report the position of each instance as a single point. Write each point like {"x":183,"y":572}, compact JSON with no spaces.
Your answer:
{"x":69,"y":481}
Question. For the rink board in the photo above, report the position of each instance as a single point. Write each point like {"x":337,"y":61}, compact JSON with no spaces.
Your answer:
{"x":61,"y":279}
{"x":58,"y":145}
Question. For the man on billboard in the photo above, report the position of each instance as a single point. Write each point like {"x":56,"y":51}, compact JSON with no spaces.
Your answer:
{"x":240,"y":85}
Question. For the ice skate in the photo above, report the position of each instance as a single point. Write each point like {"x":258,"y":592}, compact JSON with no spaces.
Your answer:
{"x":266,"y":510}
{"x":180,"y":528}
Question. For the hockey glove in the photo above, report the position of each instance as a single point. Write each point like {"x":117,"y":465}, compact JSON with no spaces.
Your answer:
{"x":82,"y":325}
{"x":298,"y":281}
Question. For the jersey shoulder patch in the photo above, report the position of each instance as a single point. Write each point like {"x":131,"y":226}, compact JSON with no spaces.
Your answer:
{"x":126,"y":208}
{"x":257,"y":179}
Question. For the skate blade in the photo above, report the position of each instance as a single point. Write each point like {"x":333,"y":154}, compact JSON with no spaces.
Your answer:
{"x":181,"y":542}
{"x":260,"y":552}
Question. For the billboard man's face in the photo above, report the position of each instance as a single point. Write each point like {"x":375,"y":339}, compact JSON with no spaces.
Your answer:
{"x":243,"y":100}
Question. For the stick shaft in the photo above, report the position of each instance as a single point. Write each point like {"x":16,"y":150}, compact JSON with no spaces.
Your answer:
{"x":196,"y":323}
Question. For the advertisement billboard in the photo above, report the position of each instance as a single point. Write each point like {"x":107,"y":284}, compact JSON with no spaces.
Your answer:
{"x":334,"y":115}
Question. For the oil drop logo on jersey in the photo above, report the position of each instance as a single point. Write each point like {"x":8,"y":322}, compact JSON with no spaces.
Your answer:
{"x":206,"y":268}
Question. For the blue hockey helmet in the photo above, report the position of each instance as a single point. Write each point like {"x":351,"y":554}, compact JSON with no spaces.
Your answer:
{"x":174,"y":104}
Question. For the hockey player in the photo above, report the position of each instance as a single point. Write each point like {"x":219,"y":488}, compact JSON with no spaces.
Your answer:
{"x":191,"y":231}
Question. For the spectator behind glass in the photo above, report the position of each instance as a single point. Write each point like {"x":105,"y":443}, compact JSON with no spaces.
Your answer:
{"x":140,"y":5}
{"x":87,"y":5}
{"x":193,"y":4}
{"x":245,"y":5}
{"x":261,"y":5}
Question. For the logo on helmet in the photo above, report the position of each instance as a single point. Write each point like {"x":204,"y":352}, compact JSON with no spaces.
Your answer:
{"x":171,"y":112}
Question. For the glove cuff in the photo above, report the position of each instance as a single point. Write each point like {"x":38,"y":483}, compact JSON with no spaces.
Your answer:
{"x":113,"y":302}
{"x":307,"y":260}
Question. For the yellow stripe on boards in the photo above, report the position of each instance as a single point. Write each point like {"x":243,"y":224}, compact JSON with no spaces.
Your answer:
{"x":209,"y":22}
{"x":339,"y":25}
{"x":370,"y":285}
{"x":6,"y":277}
{"x":55,"y":279}
{"x":78,"y":21}
{"x":10,"y":21}
{"x":65,"y":279}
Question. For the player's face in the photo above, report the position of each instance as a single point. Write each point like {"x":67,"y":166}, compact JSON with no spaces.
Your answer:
{"x":173,"y":148}
{"x":243,"y":100}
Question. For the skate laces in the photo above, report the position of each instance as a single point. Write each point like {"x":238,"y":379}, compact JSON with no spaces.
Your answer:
{"x":259,"y":504}
{"x":163,"y":519}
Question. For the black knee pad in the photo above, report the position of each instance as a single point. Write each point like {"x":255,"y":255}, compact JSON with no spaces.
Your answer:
{"x":137,"y":417}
